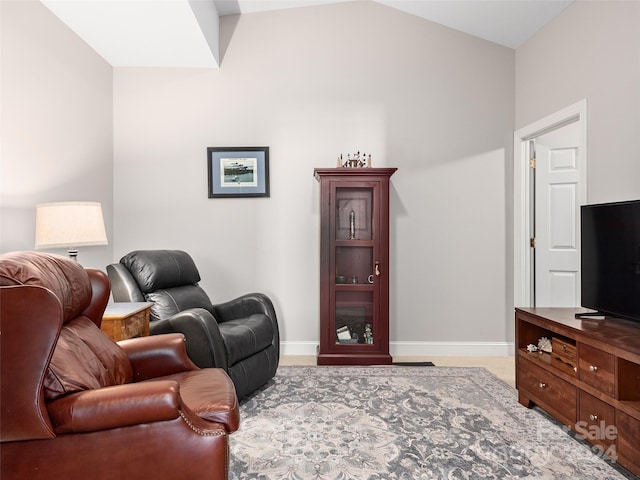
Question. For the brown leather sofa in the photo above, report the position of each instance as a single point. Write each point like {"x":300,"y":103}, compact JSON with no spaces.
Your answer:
{"x":76,"y":405}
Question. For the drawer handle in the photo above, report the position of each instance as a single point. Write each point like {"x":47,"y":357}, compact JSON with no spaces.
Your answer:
{"x":593,"y":368}
{"x":593,"y":417}
{"x":543,"y":385}
{"x":564,"y":348}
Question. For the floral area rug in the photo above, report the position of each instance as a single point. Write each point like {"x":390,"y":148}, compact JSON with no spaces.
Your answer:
{"x":408,"y":423}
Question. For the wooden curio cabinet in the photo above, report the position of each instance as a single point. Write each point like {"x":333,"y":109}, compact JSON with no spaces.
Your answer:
{"x":354,"y":266}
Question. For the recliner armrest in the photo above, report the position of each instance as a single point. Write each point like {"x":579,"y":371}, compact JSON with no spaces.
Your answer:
{"x":157,"y":356}
{"x":244,"y":306}
{"x":204,"y":342}
{"x":117,"y":406}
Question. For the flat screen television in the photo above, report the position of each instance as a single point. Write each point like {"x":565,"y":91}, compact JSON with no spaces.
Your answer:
{"x":610,"y":259}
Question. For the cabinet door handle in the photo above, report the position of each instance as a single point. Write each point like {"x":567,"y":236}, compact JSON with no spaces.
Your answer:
{"x":593,"y":368}
{"x":377,"y":269}
{"x":593,"y":417}
{"x":543,"y":385}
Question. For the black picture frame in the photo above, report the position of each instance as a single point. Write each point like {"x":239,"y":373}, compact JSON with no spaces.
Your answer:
{"x":235,"y":172}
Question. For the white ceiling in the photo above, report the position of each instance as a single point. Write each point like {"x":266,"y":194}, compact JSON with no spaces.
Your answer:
{"x":184,"y":33}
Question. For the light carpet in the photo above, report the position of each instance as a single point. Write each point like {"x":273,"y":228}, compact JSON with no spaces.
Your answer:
{"x":405,"y":423}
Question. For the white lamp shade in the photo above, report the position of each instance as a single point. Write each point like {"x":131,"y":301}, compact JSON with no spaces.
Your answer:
{"x":69,"y":224}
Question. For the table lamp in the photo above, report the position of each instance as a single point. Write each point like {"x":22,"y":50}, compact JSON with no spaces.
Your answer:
{"x":69,"y":225}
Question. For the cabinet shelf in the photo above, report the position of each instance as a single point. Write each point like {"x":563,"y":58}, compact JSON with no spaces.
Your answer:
{"x":630,"y":407}
{"x":547,"y":361}
{"x":354,"y":286}
{"x":354,"y":243}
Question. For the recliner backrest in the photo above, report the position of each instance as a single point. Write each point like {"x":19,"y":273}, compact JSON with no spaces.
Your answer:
{"x":69,"y":283}
{"x":169,"y":279}
{"x":49,"y":302}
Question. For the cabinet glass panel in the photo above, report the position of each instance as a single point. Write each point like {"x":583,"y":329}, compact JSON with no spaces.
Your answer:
{"x":354,"y":265}
{"x":354,"y":318}
{"x":354,"y":213}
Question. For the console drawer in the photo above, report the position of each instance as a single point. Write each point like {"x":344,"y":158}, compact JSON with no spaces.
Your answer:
{"x":596,"y":422}
{"x":597,"y":368}
{"x":564,"y":352}
{"x":551,"y":393}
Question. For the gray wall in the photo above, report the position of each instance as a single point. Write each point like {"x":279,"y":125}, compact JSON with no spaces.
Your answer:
{"x":591,"y":51}
{"x":57,"y":133}
{"x":312,"y":83}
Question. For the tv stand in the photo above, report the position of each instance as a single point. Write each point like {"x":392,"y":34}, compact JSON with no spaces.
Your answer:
{"x":590,"y":381}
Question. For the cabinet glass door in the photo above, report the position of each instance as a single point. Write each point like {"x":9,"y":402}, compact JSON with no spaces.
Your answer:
{"x":354,"y":291}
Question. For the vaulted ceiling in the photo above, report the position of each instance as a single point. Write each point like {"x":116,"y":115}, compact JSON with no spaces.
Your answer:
{"x":184,"y":33}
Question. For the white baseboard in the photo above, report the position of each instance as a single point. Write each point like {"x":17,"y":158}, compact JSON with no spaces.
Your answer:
{"x":417,"y":349}
{"x":302,"y":349}
{"x":446,"y":349}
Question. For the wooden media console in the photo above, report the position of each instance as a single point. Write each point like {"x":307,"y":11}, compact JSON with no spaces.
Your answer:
{"x":590,"y":381}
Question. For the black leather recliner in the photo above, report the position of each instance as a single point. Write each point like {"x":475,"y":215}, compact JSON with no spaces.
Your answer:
{"x":240,"y":336}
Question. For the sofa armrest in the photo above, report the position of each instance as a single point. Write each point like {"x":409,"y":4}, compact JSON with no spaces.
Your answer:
{"x":157,"y":356}
{"x":117,"y":406}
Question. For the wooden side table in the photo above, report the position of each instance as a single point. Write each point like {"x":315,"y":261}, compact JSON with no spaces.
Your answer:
{"x":122,"y":320}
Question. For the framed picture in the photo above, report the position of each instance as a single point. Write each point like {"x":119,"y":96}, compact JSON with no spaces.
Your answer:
{"x":238,"y":171}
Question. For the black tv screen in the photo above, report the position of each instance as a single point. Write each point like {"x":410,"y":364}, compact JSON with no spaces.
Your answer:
{"x":610,"y":259}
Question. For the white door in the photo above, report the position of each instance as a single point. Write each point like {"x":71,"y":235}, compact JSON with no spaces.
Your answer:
{"x":559,"y":239}
{"x":557,"y":217}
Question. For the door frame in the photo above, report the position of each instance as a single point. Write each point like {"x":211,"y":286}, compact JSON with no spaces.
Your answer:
{"x":522,"y":264}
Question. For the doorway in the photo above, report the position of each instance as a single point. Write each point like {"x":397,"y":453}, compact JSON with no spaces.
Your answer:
{"x":550,"y":185}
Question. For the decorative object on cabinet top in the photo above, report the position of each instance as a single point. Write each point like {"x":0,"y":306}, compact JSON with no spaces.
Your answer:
{"x":354,"y":160}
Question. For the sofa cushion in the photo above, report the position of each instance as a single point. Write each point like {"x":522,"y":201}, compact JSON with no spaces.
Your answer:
{"x":85,"y":358}
{"x":244,"y":337}
{"x":157,"y":269}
